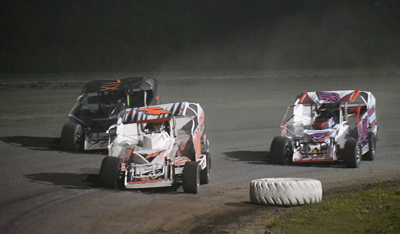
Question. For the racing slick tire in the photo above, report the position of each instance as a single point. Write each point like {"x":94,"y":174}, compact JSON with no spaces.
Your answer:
{"x":191,"y":177}
{"x":110,"y":173}
{"x":281,"y":151}
{"x":205,"y":173}
{"x":352,"y":153}
{"x":285,"y":191}
{"x":72,"y":137}
{"x":370,"y":155}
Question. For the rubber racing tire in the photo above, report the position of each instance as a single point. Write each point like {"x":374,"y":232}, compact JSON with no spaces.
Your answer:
{"x":285,"y":191}
{"x":110,"y":172}
{"x":352,"y":153}
{"x":281,"y":151}
{"x":205,"y":173}
{"x":370,"y":155}
{"x":72,"y":137}
{"x":191,"y":177}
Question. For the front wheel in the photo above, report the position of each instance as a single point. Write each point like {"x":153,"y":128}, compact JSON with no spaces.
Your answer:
{"x":352,"y":154}
{"x":110,"y":172}
{"x":281,"y":150}
{"x":72,"y":137}
{"x":191,"y":177}
{"x":370,"y":155}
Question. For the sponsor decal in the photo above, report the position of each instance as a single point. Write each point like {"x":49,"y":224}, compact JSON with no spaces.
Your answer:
{"x":363,"y":129}
{"x":318,"y":137}
{"x":128,"y":154}
{"x":147,"y":181}
{"x":318,"y":159}
{"x":315,"y":150}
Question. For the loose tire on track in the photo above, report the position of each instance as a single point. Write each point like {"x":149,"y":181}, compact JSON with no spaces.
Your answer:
{"x":191,"y":177}
{"x":110,"y":173}
{"x":281,"y":150}
{"x":72,"y":137}
{"x":205,"y":173}
{"x":370,"y":155}
{"x":352,"y":153}
{"x":285,"y":191}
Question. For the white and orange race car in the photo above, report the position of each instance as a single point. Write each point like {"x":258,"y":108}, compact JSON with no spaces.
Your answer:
{"x":158,"y":146}
{"x":326,"y":127}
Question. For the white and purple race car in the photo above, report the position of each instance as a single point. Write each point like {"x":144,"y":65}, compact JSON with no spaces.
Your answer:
{"x":158,"y":146}
{"x":328,"y":126}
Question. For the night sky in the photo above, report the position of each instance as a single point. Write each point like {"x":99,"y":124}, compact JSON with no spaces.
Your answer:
{"x":56,"y":36}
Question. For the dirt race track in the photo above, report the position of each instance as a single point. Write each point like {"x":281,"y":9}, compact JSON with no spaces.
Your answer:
{"x":46,"y":190}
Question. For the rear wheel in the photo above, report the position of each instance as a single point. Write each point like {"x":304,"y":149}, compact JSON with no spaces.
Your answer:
{"x":110,"y":173}
{"x":281,"y":150}
{"x":370,"y":155}
{"x":191,"y":177}
{"x":205,"y":173}
{"x":352,"y":154}
{"x":72,"y":138}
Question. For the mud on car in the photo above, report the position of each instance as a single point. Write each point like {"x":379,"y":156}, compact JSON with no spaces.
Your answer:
{"x":158,"y":146}
{"x":326,"y":127}
{"x":98,"y":106}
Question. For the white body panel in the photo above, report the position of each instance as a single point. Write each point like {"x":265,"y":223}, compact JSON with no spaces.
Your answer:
{"x":356,"y":116}
{"x":157,"y":158}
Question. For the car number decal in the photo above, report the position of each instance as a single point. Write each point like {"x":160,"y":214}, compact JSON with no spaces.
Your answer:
{"x":110,"y":86}
{"x":328,"y":96}
{"x":154,"y":110}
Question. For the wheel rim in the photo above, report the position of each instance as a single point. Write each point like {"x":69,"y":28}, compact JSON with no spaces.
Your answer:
{"x":208,"y":167}
{"x":78,"y":140}
{"x":198,"y":176}
{"x":373,"y":148}
{"x":288,"y":151}
{"x":358,"y":154}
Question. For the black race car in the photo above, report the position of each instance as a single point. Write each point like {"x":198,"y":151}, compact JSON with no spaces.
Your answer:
{"x":98,"y":106}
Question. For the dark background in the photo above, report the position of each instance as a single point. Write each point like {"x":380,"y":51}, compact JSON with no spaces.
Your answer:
{"x":56,"y":36}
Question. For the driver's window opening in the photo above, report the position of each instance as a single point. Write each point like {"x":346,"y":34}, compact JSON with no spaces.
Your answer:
{"x":156,"y":127}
